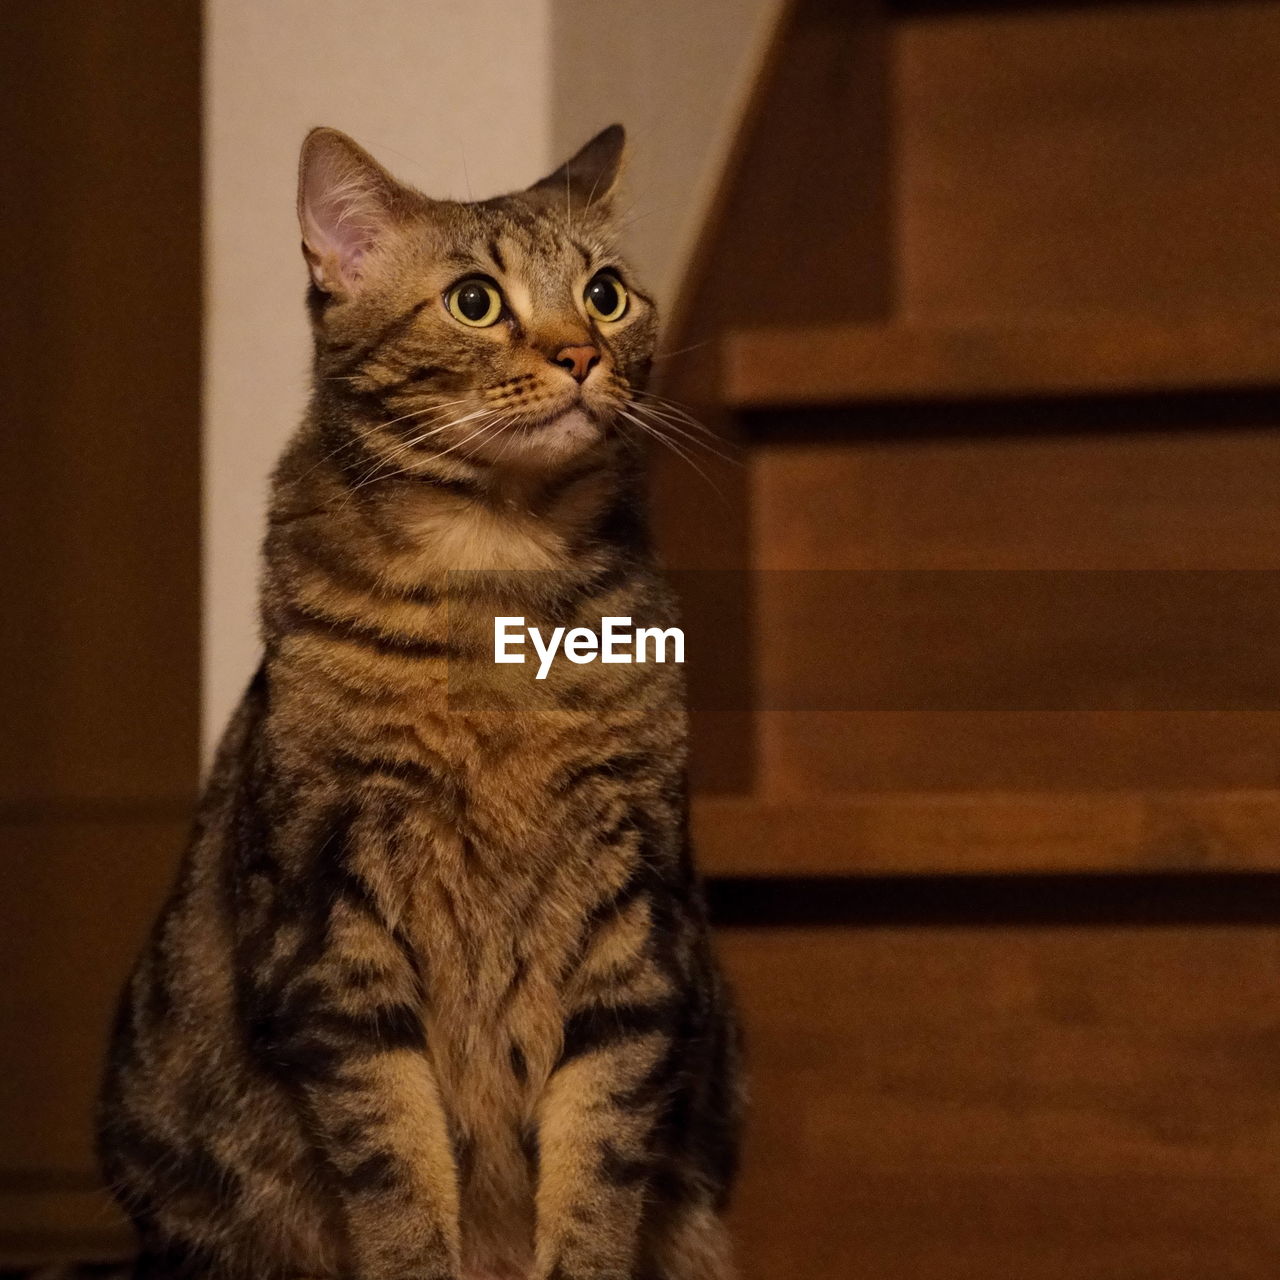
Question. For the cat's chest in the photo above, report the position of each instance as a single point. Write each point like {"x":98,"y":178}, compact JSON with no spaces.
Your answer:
{"x":495,"y":948}
{"x":505,"y":866}
{"x":498,"y":891}
{"x":507,"y":839}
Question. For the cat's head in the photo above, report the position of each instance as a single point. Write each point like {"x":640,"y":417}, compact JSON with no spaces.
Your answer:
{"x":495,"y":333}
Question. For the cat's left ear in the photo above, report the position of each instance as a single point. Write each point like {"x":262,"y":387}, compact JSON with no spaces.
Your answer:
{"x":589,"y":177}
{"x":346,"y":203}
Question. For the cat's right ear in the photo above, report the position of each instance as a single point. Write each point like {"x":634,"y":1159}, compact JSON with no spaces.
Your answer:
{"x":346,"y":202}
{"x":590,"y":176}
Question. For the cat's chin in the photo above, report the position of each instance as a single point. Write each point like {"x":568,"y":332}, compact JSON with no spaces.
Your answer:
{"x":551,"y":443}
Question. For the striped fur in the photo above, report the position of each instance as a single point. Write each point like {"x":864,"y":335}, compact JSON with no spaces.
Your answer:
{"x":432,"y":996}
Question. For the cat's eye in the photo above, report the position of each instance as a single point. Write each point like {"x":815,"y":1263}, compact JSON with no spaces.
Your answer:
{"x":605,"y":297}
{"x":474,"y":302}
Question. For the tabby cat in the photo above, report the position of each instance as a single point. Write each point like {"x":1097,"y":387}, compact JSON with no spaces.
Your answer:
{"x":432,"y":997}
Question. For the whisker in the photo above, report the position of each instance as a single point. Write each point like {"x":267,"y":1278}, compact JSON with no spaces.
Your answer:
{"x":437,"y":429}
{"x":681,"y":351}
{"x":653,"y":431}
{"x":677,"y":425}
{"x":673,"y":407}
{"x":679,"y":452}
{"x":435,"y":408}
{"x":711,"y":440}
{"x":676,"y":414}
{"x":420,"y":413}
{"x":385,"y":465}
{"x":484,"y":426}
{"x":376,"y":472}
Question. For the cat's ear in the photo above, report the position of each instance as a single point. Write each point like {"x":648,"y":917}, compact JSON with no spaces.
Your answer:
{"x":590,"y":176}
{"x":346,"y":202}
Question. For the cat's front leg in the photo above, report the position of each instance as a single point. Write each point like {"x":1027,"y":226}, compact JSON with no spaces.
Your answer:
{"x":385,"y":1136}
{"x":595,"y":1140}
{"x":345,"y":1033}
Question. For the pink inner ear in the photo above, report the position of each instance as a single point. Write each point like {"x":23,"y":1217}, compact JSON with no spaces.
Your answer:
{"x":341,"y":216}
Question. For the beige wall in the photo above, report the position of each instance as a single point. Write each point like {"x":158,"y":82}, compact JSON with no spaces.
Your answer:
{"x":417,"y":81}
{"x":677,"y":73}
{"x":462,"y":98}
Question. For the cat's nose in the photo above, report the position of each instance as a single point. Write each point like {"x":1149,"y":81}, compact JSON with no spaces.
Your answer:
{"x":579,"y":361}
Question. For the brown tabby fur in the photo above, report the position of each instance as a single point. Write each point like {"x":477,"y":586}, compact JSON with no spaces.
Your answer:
{"x":432,"y":997}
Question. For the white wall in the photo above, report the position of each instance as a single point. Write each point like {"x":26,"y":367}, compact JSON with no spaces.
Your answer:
{"x":678,"y":74}
{"x":425,"y":85}
{"x":461,"y":98}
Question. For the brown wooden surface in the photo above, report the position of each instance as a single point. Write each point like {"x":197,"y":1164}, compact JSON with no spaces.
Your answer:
{"x":99,"y":520}
{"x":1041,"y":337}
{"x":1045,"y":1102}
{"x":988,"y":833}
{"x":838,"y":753}
{"x":842,"y":364}
{"x":79,"y":896}
{"x":1087,"y":159}
{"x":1144,"y":490}
{"x":1129,"y":485}
{"x":820,"y":163}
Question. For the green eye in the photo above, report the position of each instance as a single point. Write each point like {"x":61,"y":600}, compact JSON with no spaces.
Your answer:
{"x":605,"y":297}
{"x":474,"y":302}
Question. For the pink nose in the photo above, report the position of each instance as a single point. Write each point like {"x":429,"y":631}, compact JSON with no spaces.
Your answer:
{"x":578,"y":361}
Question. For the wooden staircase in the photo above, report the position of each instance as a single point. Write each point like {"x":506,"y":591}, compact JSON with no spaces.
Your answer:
{"x":990,"y":293}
